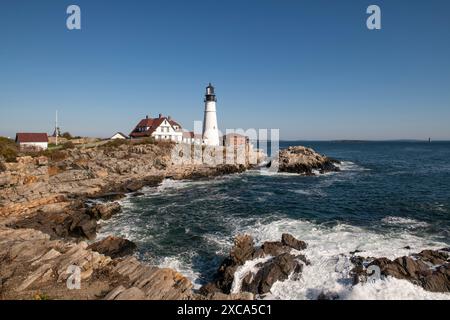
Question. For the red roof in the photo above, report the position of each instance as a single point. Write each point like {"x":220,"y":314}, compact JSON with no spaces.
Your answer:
{"x":231,"y":135}
{"x":173,"y":123}
{"x":188,"y":134}
{"x":31,"y":137}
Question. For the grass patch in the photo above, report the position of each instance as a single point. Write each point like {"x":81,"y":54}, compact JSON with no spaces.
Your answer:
{"x":41,"y":296}
{"x":8,"y":149}
{"x":145,"y":141}
{"x":114,"y":144}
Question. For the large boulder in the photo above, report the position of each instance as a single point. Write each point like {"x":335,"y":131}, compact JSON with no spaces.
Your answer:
{"x":276,"y":269}
{"x":289,"y":240}
{"x":429,"y":269}
{"x":109,"y":196}
{"x":114,"y":247}
{"x":242,"y":251}
{"x":280,"y":265}
{"x":136,"y":185}
{"x":65,"y":224}
{"x":104,"y":210}
{"x":272,"y":248}
{"x":303,"y":160}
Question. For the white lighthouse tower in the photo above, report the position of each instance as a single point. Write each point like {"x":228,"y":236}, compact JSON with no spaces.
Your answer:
{"x":210,"y":129}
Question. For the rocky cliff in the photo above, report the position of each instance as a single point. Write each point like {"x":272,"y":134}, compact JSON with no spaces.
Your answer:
{"x":79,"y":173}
{"x":47,"y":208}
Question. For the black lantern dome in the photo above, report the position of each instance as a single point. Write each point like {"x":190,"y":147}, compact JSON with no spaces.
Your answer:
{"x":210,"y":95}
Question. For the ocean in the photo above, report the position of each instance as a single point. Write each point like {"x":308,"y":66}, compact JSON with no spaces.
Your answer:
{"x":388,"y":196}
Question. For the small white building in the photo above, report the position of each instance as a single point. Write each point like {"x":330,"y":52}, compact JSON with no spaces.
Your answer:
{"x":190,"y":138}
{"x":161,"y":128}
{"x":119,"y":135}
{"x":32,"y":141}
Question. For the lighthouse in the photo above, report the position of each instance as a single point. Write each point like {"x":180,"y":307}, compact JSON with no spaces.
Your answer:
{"x":210,"y":129}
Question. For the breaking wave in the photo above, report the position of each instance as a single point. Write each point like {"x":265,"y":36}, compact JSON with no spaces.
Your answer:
{"x":329,"y":252}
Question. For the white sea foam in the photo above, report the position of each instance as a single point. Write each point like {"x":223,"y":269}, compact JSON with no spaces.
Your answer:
{"x":329,"y":253}
{"x":185,"y":269}
{"x":242,"y":271}
{"x":343,"y":166}
{"x":268,"y":172}
{"x":310,"y":192}
{"x":350,"y":166}
{"x":406,"y":222}
{"x":440,"y":208}
{"x":223,"y":243}
{"x":172,"y":184}
{"x":392,"y":289}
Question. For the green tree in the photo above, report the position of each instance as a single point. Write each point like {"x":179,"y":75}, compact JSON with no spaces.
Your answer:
{"x":67,"y":135}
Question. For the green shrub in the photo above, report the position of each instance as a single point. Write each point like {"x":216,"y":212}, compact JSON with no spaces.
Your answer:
{"x":54,"y":155}
{"x":8,"y":149}
{"x":113,"y":144}
{"x":148,"y":140}
{"x":66,"y":135}
{"x":68,"y":145}
{"x":57,"y":155}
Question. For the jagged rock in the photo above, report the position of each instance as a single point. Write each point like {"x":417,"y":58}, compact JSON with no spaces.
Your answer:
{"x":290,"y":241}
{"x":32,"y":185}
{"x":209,"y":289}
{"x":60,"y":224}
{"x":328,"y":296}
{"x":136,"y":185}
{"x":102,"y":172}
{"x":243,"y":249}
{"x":273,"y":249}
{"x":104,"y":210}
{"x":131,"y":294}
{"x":303,"y":160}
{"x":276,"y":269}
{"x":109,"y":196}
{"x":30,"y":260}
{"x":429,"y":269}
{"x":114,"y":247}
{"x":41,"y":161}
{"x":243,"y":296}
{"x":435,"y":257}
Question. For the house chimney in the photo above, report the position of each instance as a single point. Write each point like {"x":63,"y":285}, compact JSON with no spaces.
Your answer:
{"x":169,"y":117}
{"x":160,"y":115}
{"x":146,"y":117}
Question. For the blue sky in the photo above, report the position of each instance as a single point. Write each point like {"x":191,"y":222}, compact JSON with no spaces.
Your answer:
{"x":310,"y":68}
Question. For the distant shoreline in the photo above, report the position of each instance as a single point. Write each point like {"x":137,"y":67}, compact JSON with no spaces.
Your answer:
{"x":363,"y":141}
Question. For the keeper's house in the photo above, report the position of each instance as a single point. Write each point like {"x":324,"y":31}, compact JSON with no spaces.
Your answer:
{"x":161,"y":128}
{"x":190,"y":138}
{"x":234,"y":139}
{"x":32,"y":141}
